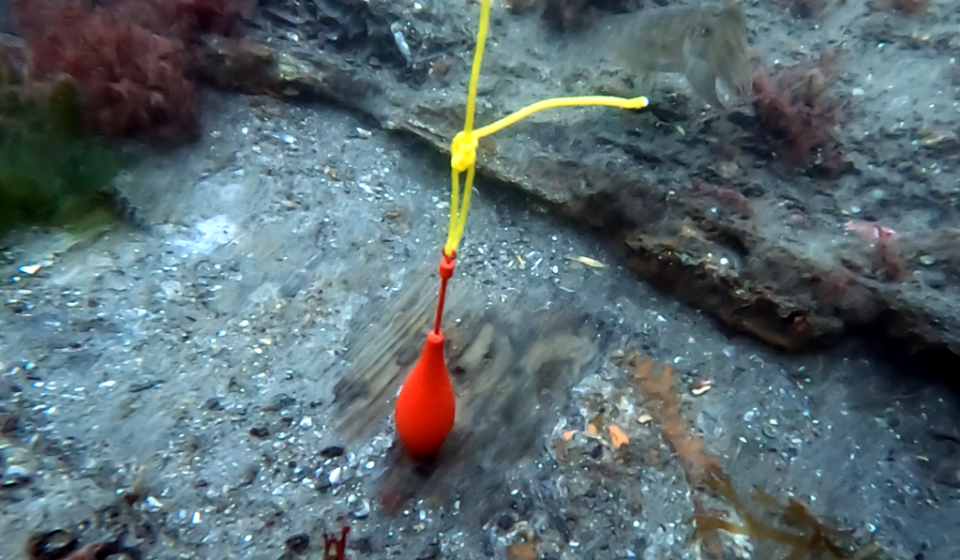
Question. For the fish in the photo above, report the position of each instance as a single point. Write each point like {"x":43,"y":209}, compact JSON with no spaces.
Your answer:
{"x":706,"y":43}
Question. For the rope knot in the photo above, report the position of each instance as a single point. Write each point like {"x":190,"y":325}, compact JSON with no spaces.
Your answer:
{"x":463,"y":151}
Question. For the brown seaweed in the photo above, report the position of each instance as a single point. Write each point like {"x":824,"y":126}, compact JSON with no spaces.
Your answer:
{"x":795,"y":111}
{"x":799,"y":531}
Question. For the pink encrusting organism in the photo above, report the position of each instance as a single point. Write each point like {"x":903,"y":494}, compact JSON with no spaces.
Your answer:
{"x":886,"y":260}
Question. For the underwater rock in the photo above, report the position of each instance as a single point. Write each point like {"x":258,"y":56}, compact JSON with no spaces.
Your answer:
{"x":748,"y":272}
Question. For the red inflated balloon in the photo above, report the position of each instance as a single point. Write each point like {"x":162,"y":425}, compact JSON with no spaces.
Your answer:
{"x":426,"y":406}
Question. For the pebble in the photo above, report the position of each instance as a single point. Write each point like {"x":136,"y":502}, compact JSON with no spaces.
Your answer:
{"x":335,"y":475}
{"x":17,"y":465}
{"x":153,"y":504}
{"x":935,"y":279}
{"x":298,"y":544}
{"x":727,"y":169}
{"x":364,"y":510}
{"x":940,"y":140}
{"x":249,"y":475}
{"x":53,"y":544}
{"x":332,"y":451}
{"x":430,"y":551}
{"x":213,"y":404}
{"x":279,"y":402}
{"x":14,"y":476}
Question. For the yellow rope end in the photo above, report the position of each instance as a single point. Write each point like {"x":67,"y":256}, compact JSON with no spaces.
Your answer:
{"x":637,"y":102}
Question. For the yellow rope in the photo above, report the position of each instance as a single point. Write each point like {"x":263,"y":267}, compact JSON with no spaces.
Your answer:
{"x":463,"y":149}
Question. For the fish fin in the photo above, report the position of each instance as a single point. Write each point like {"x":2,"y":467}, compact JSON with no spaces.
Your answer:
{"x":703,"y":80}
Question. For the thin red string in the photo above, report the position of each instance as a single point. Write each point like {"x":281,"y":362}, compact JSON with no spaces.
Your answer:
{"x":446,"y":271}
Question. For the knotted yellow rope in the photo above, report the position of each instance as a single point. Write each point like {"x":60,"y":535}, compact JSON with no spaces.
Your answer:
{"x":463,"y":148}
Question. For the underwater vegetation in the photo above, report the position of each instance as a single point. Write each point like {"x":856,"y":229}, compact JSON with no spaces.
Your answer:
{"x":335,"y":548}
{"x":796,"y":112}
{"x":91,"y":73}
{"x":131,"y":60}
{"x":791,"y":530}
{"x":51,"y":170}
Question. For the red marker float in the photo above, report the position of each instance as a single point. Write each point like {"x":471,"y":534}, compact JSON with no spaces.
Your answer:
{"x":426,"y":406}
